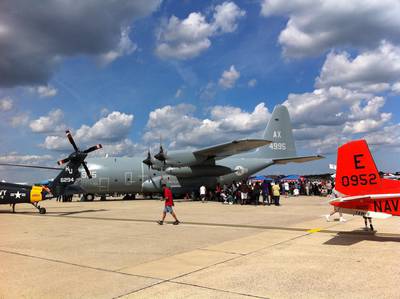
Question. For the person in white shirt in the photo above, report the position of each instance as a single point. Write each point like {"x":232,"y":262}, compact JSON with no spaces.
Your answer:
{"x":203,"y":193}
{"x":286,"y":187}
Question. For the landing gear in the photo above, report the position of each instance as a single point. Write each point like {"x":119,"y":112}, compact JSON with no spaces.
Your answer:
{"x":366,"y":223}
{"x":103,"y":198}
{"x":87,"y":197}
{"x":13,"y":207}
{"x":40,"y":209}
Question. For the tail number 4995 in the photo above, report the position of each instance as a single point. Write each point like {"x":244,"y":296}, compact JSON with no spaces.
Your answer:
{"x":361,"y":179}
{"x":278,"y":146}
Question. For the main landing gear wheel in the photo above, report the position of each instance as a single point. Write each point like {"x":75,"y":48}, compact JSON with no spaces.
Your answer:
{"x":40,"y":209}
{"x":366,"y":223}
{"x":89,"y":197}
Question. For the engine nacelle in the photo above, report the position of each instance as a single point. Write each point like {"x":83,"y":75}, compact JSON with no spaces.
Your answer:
{"x":183,"y":158}
{"x":195,"y":171}
{"x":152,"y":185}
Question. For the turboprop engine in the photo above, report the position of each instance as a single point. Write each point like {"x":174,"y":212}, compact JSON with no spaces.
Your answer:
{"x":152,"y":185}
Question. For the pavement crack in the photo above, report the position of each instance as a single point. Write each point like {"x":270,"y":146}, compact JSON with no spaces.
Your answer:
{"x":74,"y":264}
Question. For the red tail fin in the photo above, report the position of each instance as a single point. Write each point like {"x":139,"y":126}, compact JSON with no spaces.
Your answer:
{"x":356,"y":170}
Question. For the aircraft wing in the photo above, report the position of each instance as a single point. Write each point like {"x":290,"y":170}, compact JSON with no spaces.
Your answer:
{"x":231,"y":148}
{"x":298,"y":159}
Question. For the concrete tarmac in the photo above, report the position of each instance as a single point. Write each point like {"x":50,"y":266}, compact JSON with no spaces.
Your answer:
{"x":115,"y":249}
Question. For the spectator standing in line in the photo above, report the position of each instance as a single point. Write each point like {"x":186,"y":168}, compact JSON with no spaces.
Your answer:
{"x":203,"y":192}
{"x":218,"y":190}
{"x":169,"y":202}
{"x":286,"y":188}
{"x":276,"y":193}
{"x":265,"y":192}
{"x":255,"y":193}
{"x":244,"y":191}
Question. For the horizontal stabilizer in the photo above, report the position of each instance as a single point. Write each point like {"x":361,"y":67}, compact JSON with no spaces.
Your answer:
{"x":368,"y":196}
{"x":299,"y":159}
{"x":231,"y":148}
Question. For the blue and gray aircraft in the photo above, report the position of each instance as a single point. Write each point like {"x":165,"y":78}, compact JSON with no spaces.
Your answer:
{"x":186,"y":170}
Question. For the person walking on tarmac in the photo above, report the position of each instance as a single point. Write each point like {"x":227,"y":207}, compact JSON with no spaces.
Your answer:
{"x":169,"y":202}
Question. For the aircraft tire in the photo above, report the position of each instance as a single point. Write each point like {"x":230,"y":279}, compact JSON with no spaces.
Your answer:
{"x":42,"y":211}
{"x":103,"y":198}
{"x":89,"y":197}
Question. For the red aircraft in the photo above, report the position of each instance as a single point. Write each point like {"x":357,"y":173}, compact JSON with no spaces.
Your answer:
{"x":362,"y":192}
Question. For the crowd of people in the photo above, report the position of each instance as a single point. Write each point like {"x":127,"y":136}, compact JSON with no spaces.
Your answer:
{"x":264,"y":192}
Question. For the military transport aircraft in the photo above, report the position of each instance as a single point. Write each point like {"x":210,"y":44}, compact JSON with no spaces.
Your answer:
{"x":360,"y":189}
{"x":19,"y":193}
{"x":186,"y":170}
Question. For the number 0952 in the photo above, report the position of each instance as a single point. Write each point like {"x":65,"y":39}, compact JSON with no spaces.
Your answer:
{"x":360,"y":179}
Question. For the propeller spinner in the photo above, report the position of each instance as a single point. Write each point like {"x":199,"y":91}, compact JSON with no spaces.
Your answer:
{"x":78,"y":155}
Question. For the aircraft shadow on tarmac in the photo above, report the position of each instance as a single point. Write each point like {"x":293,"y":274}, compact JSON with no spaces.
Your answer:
{"x":356,"y":236}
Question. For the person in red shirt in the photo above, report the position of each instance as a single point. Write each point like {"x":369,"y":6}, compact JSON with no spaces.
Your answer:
{"x":169,"y":202}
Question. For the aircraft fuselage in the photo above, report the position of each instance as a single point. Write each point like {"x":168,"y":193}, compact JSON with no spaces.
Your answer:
{"x":130,"y":175}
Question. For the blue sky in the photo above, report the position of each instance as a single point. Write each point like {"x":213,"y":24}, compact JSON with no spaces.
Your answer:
{"x":197,"y":73}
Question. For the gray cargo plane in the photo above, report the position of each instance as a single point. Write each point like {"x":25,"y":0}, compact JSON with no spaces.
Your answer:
{"x":185,"y":171}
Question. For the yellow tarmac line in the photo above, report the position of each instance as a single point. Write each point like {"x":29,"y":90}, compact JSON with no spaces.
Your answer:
{"x":314,"y":230}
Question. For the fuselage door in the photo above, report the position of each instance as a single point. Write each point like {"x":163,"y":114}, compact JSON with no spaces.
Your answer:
{"x":104,"y":184}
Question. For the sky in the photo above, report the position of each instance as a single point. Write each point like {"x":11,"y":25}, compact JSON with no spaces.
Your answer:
{"x":196,"y":73}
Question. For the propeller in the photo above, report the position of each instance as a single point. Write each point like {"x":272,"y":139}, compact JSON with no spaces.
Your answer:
{"x":79,"y":156}
{"x":148,"y":161}
{"x":161,"y":156}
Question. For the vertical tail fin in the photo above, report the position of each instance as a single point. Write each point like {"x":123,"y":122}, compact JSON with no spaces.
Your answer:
{"x":279,"y":131}
{"x":65,"y":178}
{"x":356,"y":172}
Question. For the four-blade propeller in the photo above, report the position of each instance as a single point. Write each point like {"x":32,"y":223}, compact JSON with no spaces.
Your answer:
{"x":79,"y":156}
{"x":160,"y":156}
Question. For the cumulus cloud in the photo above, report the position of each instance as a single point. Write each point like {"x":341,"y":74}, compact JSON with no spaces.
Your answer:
{"x":36,"y":39}
{"x":371,"y":71}
{"x":229,"y":78}
{"x":16,"y":158}
{"x":124,"y":47}
{"x":180,"y":128}
{"x":335,"y":111}
{"x":125,"y":148}
{"x":187,"y":38}
{"x":46,"y":91}
{"x":53,"y":122}
{"x":315,"y":26}
{"x":6,"y":104}
{"x":110,"y":129}
{"x":113,"y":127}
